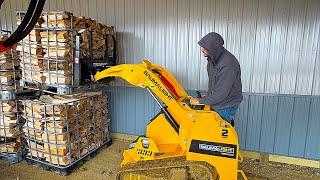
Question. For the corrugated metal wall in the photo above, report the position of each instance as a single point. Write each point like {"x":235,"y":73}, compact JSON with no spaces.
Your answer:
{"x":276,"y":42}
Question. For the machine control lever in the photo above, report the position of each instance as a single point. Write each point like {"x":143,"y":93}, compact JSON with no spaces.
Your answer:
{"x":199,"y":94}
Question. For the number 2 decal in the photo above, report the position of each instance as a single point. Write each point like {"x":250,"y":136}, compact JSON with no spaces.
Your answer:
{"x":224,"y":133}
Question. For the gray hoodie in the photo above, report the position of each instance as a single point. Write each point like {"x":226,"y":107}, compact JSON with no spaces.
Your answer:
{"x":224,"y":87}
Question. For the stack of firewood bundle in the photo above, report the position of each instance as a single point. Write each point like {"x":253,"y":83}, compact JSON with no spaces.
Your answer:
{"x":46,"y":54}
{"x":101,"y":34}
{"x":9,"y":69}
{"x":31,"y":57}
{"x":61,"y":129}
{"x":57,"y":40}
{"x":10,"y":127}
{"x":48,"y":51}
{"x":83,"y":26}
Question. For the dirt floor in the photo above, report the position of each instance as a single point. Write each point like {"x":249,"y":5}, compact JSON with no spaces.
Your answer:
{"x":104,"y":164}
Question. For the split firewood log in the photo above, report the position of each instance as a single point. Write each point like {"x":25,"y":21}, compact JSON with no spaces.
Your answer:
{"x":10,"y":147}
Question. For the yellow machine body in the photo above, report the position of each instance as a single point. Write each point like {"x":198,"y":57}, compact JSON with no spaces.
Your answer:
{"x":197,"y":133}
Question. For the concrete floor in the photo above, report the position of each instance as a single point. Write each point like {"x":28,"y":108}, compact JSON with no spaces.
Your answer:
{"x":105,"y":164}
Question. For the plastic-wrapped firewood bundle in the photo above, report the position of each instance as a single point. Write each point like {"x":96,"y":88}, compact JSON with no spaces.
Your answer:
{"x":9,"y":69}
{"x":10,"y":127}
{"x":62,"y":129}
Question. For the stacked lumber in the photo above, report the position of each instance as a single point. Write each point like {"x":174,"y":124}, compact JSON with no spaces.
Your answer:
{"x":9,"y":69}
{"x":47,"y":53}
{"x":10,"y":127}
{"x":61,"y":129}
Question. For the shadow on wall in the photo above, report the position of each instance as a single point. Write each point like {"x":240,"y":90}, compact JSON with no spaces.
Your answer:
{"x":130,"y":48}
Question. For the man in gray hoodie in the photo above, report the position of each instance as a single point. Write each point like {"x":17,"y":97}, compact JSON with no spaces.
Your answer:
{"x":224,"y":86}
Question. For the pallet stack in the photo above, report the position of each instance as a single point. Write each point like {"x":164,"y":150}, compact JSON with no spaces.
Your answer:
{"x":11,"y":136}
{"x":47,"y":53}
{"x":62,"y":129}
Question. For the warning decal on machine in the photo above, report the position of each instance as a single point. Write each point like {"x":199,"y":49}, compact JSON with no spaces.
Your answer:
{"x":213,"y":148}
{"x":157,"y":84}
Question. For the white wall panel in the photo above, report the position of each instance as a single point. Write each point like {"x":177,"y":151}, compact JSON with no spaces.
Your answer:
{"x":277,"y":46}
{"x":262,"y":46}
{"x":207,"y":25}
{"x":247,"y":38}
{"x":160,"y":33}
{"x":139,"y":31}
{"x":193,"y":59}
{"x":171,"y":36}
{"x":310,"y":43}
{"x":183,"y":42}
{"x":293,"y":46}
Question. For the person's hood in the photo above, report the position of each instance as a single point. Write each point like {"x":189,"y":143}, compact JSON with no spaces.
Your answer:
{"x":213,"y":44}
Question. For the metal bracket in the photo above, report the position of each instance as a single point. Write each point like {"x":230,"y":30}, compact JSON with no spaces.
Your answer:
{"x":8,"y":95}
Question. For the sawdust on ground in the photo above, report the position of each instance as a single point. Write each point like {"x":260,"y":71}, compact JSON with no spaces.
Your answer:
{"x":107,"y":161}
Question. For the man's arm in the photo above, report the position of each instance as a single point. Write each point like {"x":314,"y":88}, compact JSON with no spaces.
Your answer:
{"x":223,"y":87}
